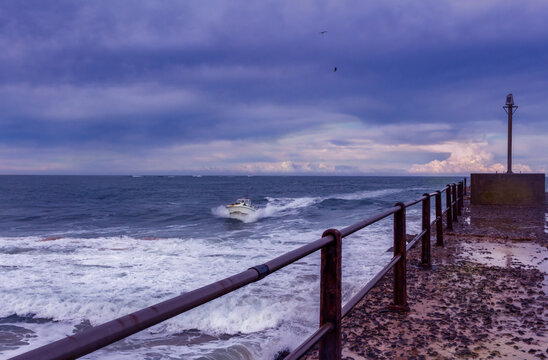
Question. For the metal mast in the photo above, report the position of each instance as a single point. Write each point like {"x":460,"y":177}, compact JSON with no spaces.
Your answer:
{"x":510,"y":108}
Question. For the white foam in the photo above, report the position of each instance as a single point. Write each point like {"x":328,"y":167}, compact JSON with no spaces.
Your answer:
{"x":99,"y":279}
{"x":220,"y":211}
{"x":74,"y":279}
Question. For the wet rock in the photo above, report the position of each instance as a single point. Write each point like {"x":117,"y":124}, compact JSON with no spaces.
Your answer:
{"x":13,"y":337}
{"x":280,"y":355}
{"x":84,"y":325}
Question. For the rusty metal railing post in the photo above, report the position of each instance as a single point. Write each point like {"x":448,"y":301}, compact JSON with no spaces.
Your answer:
{"x":460,"y":194}
{"x":449,"y":207}
{"x":330,"y":297}
{"x":400,"y":271}
{"x":455,"y":202}
{"x":439,"y":220}
{"x":425,"y":253}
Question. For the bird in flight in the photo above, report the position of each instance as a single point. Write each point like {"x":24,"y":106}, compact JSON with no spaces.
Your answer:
{"x":335,"y":69}
{"x":323,"y":32}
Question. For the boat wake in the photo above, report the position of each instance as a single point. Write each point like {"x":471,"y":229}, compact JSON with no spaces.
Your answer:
{"x":274,"y":207}
{"x":277,"y":207}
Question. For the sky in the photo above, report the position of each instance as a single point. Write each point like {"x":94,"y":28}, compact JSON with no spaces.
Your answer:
{"x":250,"y":87}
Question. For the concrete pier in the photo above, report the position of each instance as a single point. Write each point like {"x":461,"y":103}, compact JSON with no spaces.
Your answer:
{"x":484,"y":298}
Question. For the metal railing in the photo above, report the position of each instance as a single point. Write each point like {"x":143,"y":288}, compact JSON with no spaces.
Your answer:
{"x":328,"y":335}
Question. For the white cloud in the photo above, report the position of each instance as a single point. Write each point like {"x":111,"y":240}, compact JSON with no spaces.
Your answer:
{"x":464,"y":158}
{"x":287,"y":167}
{"x":345,"y":147}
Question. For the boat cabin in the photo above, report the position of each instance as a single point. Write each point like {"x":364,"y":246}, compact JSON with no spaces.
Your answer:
{"x":243,"y":201}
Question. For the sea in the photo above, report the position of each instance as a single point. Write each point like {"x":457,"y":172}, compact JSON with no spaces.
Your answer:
{"x":78,"y":251}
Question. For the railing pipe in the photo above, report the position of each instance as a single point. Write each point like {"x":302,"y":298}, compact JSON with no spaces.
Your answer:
{"x":460,"y":192}
{"x":102,"y":335}
{"x":373,"y":219}
{"x":439,"y":220}
{"x":356,"y":298}
{"x":400,"y":273}
{"x":414,"y":241}
{"x":330,"y":297}
{"x":294,"y":255}
{"x":449,"y":207}
{"x":311,"y":341}
{"x":329,"y":333}
{"x":97,"y":337}
{"x":425,"y":253}
{"x":416,"y":201}
{"x":454,"y":203}
{"x":462,"y":197}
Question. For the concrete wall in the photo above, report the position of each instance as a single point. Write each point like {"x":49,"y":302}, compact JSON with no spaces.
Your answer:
{"x":508,"y":189}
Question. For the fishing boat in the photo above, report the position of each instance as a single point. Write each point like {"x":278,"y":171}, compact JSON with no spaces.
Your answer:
{"x":241,"y":207}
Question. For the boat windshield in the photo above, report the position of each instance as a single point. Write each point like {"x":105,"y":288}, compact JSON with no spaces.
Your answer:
{"x":245,"y":202}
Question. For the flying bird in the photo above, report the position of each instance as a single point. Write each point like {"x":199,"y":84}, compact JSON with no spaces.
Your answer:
{"x":323,"y":32}
{"x":335,"y":69}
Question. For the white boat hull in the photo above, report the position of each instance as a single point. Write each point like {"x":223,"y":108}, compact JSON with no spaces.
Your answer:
{"x":239,"y":210}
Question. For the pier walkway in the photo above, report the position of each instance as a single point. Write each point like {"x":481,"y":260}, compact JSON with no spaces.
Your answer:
{"x":486,"y":296}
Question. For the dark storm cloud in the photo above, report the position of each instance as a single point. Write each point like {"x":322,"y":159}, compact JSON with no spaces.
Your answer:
{"x":128,"y":75}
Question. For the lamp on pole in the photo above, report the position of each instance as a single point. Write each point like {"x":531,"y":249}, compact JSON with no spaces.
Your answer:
{"x":510,"y":109}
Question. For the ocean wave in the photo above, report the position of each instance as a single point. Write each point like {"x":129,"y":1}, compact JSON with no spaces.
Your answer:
{"x":366,"y":194}
{"x":87,"y":285}
{"x":105,"y":278}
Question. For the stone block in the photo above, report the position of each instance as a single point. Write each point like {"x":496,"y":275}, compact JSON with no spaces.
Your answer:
{"x":508,"y":189}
